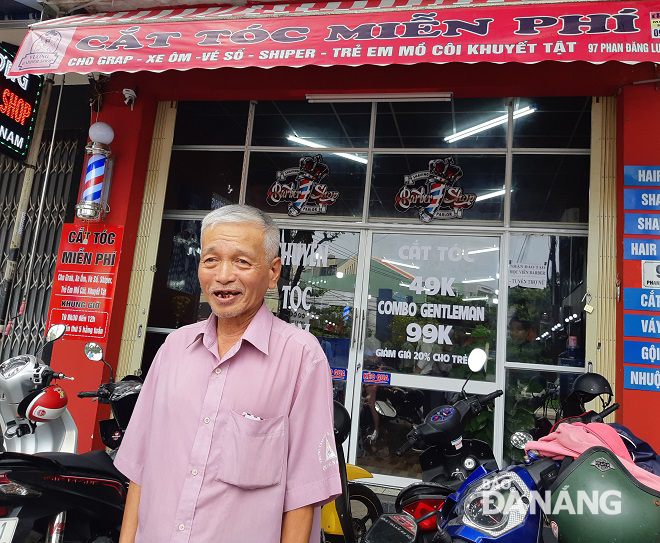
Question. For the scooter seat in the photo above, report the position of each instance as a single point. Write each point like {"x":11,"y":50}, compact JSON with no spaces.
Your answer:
{"x":97,"y":462}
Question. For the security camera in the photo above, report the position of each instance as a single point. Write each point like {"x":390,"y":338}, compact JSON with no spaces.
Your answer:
{"x":129,"y":97}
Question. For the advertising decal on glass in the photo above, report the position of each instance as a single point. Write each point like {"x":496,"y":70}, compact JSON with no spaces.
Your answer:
{"x":434,"y":192}
{"x":302,"y":188}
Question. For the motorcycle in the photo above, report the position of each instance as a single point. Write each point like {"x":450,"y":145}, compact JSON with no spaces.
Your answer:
{"x":447,"y":459}
{"x":491,"y":505}
{"x":33,"y":409}
{"x":347,"y":519}
{"x":121,"y":396}
{"x":61,"y":496}
{"x":391,"y":406}
{"x":501,"y":505}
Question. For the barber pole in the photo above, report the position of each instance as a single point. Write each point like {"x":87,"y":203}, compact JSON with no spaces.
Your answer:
{"x":93,"y":205}
{"x":437,"y":194}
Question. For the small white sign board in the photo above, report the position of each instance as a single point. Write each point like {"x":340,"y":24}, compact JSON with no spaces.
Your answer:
{"x":528,"y":275}
{"x":650,"y":273}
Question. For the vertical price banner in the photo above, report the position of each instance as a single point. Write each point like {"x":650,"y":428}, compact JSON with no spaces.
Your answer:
{"x":84,"y":280}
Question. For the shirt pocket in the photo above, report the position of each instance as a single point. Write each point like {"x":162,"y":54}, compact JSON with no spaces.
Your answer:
{"x":252,"y":452}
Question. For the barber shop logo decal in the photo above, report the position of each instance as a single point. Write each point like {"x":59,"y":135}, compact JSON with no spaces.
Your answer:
{"x":44,"y":52}
{"x":326,"y":454}
{"x":435,"y":192}
{"x":303,"y":188}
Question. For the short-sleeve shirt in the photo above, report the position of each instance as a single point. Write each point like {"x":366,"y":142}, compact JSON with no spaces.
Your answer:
{"x":221,"y":448}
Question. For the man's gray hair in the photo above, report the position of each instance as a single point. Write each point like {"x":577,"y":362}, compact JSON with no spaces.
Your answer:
{"x":237,"y":213}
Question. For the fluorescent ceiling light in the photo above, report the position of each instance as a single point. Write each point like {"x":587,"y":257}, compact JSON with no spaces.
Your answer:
{"x":488,"y":195}
{"x":315,"y":145}
{"x":382,"y":97}
{"x":478,"y":280}
{"x":413,"y":266}
{"x":489,"y":124}
{"x":486,"y":250}
{"x":476,"y":299}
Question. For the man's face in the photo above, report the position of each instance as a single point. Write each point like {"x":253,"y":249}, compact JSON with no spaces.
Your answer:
{"x":233,"y":271}
{"x":518,"y":332}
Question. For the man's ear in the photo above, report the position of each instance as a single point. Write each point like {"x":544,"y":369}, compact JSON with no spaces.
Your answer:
{"x":275,"y":270}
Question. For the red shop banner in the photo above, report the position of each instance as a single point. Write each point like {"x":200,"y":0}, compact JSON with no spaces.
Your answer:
{"x":84,"y":280}
{"x":353,"y":33}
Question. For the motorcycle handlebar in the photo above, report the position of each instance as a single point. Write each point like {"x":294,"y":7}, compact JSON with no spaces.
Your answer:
{"x":490,"y":397}
{"x":405,"y":447}
{"x":611,"y":409}
{"x":91,"y":394}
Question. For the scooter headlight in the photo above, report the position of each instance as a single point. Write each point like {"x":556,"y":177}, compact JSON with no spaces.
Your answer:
{"x":497,"y":504}
{"x":11,"y":367}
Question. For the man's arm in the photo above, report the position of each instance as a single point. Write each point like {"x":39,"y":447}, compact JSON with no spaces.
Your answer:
{"x":130,"y":521}
{"x":296,"y":525}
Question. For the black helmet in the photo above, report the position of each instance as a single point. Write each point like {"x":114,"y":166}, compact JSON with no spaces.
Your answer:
{"x":590,"y":385}
{"x":342,"y":423}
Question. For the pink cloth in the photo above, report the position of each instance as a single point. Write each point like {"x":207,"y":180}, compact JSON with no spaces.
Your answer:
{"x":221,"y":448}
{"x":573,"y":439}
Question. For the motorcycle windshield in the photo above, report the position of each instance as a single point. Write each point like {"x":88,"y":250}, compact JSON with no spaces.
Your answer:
{"x":125,"y":388}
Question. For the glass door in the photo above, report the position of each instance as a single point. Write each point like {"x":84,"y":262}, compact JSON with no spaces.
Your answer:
{"x":318,"y":291}
{"x":428,"y":299}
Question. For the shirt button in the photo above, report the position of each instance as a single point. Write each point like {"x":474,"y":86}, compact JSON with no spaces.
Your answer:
{"x":194,"y":472}
{"x":181,"y":527}
{"x":218,"y":371}
{"x":207,"y":420}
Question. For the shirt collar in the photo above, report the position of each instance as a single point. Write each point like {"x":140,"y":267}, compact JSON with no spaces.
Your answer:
{"x":257,"y":332}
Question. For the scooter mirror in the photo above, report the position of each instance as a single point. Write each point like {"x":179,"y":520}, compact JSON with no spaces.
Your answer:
{"x":385,"y":409}
{"x":55,"y":332}
{"x":477,"y":360}
{"x":93,"y":351}
{"x":520,"y":439}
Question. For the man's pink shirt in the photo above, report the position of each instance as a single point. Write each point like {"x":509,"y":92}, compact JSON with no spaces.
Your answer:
{"x":222,"y":447}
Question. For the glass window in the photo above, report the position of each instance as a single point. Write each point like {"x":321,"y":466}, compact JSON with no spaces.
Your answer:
{"x":307,"y":183}
{"x":431,"y":301}
{"x":550,"y":188}
{"x":203,"y":179}
{"x":552,"y":122}
{"x":410,"y":186}
{"x":427,"y":124}
{"x":386,"y":416}
{"x":175,"y":280}
{"x":533,"y":403}
{"x":301,"y":124}
{"x":211,"y":123}
{"x":546,"y":287}
{"x":316,"y":292}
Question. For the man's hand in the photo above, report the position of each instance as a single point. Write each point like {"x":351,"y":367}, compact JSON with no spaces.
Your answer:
{"x":296,"y":525}
{"x":130,"y":521}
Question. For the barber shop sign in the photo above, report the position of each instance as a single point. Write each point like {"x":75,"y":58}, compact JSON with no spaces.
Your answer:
{"x":303,"y":188}
{"x":434,"y":192}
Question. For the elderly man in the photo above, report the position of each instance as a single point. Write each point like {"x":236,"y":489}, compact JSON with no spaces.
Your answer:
{"x":231,"y":440}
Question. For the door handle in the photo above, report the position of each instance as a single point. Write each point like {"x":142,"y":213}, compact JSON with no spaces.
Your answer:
{"x":356,"y":328}
{"x":363,"y":328}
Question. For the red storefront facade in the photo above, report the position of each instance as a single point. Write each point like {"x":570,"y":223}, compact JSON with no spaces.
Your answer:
{"x":625,"y":112}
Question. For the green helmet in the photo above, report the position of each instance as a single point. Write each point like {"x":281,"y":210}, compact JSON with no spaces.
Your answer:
{"x":596,"y":500}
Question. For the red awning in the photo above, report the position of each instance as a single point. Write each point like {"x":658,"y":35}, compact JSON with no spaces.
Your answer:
{"x":354,"y":33}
